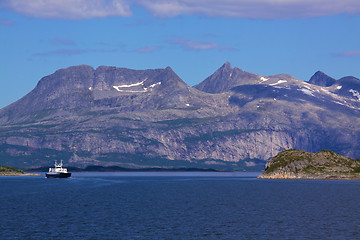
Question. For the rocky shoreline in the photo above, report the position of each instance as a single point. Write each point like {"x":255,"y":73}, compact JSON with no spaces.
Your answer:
{"x":312,"y":177}
{"x":18,"y":174}
{"x":324,"y":165}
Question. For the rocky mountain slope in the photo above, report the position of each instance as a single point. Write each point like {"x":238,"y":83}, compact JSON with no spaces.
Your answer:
{"x":295,"y":164}
{"x":225,"y":78}
{"x":321,"y":79}
{"x":150,"y":118}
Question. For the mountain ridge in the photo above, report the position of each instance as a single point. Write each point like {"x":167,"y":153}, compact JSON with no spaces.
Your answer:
{"x":113,"y":116}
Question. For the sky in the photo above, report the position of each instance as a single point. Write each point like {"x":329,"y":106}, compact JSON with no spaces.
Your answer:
{"x":193,"y":37}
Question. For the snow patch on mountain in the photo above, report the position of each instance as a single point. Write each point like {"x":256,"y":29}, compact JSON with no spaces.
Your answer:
{"x":278,"y":82}
{"x":326,"y":91}
{"x":129,"y":91}
{"x":306,"y":91}
{"x":308,"y":87}
{"x":263,"y":79}
{"x":355,"y":93}
{"x":154,"y":85}
{"x":127,"y":87}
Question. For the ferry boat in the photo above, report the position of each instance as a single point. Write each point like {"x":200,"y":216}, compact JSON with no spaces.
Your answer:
{"x":58,"y":171}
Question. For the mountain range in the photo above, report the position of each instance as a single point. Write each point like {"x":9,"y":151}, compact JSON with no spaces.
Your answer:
{"x":233,"y":120}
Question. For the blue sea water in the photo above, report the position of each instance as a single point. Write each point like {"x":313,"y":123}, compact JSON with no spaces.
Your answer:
{"x":177,"y":206}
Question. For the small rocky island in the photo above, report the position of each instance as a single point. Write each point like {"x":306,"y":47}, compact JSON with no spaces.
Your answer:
{"x":296,"y":164}
{"x":11,"y":171}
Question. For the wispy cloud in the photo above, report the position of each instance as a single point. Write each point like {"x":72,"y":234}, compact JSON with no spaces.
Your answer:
{"x":198,"y":45}
{"x":102,"y":43}
{"x":255,"y":9}
{"x":62,"y":41}
{"x":6,"y":22}
{"x":69,"y":9}
{"x":348,"y":54}
{"x":71,"y":52}
{"x":64,"y":52}
{"x":148,"y":49}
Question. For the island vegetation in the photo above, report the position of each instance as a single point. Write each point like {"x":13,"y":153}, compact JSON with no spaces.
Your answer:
{"x":11,"y":171}
{"x":296,"y":164}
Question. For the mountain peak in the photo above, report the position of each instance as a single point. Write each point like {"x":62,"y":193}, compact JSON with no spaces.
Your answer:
{"x":226,"y":65}
{"x":321,"y":79}
{"x":225,"y":78}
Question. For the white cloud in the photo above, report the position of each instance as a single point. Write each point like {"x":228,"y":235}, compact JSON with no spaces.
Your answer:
{"x":69,"y":9}
{"x":255,"y":9}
